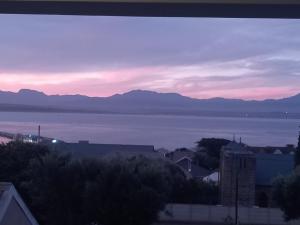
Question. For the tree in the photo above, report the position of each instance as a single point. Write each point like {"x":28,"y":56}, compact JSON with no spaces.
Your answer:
{"x":208,"y":155}
{"x":286,"y":194}
{"x":212,"y":146}
{"x":15,"y":158}
{"x":56,"y":190}
{"x":118,"y":191}
{"x":63,"y":191}
{"x":122,"y":195}
{"x":202,"y":159}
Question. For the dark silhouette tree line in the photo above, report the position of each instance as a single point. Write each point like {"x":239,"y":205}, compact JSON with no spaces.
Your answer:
{"x":286,"y":190}
{"x":62,"y":191}
{"x":286,"y":193}
{"x":297,"y":155}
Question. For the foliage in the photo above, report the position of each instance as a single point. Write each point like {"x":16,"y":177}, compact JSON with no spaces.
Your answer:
{"x":297,"y":155}
{"x":195,"y":192}
{"x":63,"y":191}
{"x":286,"y":194}
{"x":213,"y":146}
{"x":15,"y":157}
{"x":208,"y":154}
{"x":121,"y":195}
{"x":56,"y":190}
{"x":202,"y":159}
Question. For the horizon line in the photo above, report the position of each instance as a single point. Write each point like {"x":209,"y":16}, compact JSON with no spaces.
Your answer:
{"x":145,"y":90}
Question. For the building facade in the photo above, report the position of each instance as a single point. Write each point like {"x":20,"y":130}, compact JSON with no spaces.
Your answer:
{"x":237,"y":175}
{"x":247,"y":175}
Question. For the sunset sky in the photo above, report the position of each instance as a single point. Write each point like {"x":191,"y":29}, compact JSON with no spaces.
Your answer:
{"x":197,"y":57}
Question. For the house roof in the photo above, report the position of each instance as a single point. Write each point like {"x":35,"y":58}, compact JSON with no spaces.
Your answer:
{"x":213,"y":177}
{"x":8,"y":193}
{"x":180,"y":154}
{"x":271,"y":162}
{"x":195,"y":171}
{"x":87,"y":150}
{"x":272,"y":149}
{"x":235,"y":148}
{"x":184,"y":158}
{"x":199,"y":171}
{"x":163,"y":151}
{"x":270,"y":166}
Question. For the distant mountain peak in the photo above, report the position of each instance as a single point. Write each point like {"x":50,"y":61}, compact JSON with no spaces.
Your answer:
{"x":151,"y":102}
{"x":140,"y":92}
{"x":30,"y":92}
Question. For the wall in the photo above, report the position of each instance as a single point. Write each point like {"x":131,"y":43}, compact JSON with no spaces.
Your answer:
{"x":205,"y":214}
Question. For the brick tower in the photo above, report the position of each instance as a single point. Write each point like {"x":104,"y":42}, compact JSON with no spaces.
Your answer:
{"x":237,"y":175}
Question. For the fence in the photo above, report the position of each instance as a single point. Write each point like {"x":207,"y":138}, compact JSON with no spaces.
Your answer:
{"x":205,"y":214}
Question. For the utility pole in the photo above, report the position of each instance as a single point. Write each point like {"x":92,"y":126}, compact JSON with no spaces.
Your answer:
{"x":39,"y":134}
{"x":236,"y":199}
{"x":236,"y":191}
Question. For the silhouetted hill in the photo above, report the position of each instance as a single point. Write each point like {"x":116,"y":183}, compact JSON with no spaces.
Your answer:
{"x":148,"y":102}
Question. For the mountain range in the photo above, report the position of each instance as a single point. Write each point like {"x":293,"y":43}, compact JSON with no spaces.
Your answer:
{"x":149,"y":102}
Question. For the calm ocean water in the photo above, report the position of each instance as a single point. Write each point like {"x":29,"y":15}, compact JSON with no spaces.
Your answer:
{"x":161,"y":131}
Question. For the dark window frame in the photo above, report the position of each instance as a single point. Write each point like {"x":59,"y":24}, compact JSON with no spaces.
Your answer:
{"x":273,"y":9}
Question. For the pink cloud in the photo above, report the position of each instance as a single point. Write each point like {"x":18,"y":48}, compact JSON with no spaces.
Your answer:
{"x":101,"y":83}
{"x":252,"y":93}
{"x":126,"y":74}
{"x":193,"y":81}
